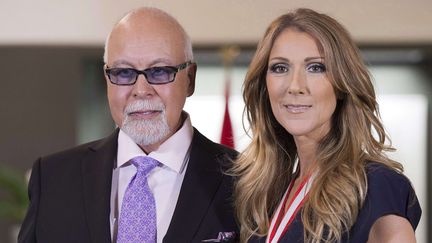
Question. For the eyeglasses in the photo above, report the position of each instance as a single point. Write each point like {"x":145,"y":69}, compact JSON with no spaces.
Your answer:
{"x":153,"y":75}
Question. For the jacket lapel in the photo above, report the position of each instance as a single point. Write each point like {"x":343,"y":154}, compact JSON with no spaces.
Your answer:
{"x":97,"y":167}
{"x":202,"y":180}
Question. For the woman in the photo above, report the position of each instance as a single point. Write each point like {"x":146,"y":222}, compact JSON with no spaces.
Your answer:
{"x":314,"y":171}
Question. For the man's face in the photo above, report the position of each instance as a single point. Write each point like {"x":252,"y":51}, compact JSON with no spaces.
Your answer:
{"x":148,"y":113}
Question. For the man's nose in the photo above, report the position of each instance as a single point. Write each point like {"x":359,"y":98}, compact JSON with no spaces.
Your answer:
{"x":141,"y":87}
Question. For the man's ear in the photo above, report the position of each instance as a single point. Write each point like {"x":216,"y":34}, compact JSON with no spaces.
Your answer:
{"x":191,"y":75}
{"x":105,"y":75}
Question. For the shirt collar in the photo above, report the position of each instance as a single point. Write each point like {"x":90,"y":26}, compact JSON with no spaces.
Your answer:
{"x":173,"y":153}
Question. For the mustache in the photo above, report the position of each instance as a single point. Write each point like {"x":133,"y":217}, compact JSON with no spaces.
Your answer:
{"x":141,"y":105}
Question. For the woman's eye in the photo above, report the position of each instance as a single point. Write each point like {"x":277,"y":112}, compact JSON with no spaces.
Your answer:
{"x":316,"y":68}
{"x":279,"y":68}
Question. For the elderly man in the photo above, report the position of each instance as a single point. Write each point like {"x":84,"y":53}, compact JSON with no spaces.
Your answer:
{"x":156,"y":178}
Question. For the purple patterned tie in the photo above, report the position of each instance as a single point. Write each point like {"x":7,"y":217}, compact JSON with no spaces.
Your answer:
{"x":138,"y":213}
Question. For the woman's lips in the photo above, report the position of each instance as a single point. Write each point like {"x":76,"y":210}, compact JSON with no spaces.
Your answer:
{"x":296,"y":109}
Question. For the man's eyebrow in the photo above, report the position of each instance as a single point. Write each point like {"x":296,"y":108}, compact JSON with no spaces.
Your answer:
{"x":122,"y":62}
{"x":163,"y":61}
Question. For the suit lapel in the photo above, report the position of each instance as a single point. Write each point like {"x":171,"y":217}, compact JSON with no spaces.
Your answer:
{"x":201,"y":182}
{"x":97,"y":167}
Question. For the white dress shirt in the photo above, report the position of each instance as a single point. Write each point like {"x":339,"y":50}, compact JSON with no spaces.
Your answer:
{"x":164,"y":181}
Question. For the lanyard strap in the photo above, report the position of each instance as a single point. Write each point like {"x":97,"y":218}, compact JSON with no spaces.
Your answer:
{"x":281,"y":220}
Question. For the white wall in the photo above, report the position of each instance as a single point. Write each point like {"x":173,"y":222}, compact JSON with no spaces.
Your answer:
{"x":87,"y":22}
{"x":405,"y":119}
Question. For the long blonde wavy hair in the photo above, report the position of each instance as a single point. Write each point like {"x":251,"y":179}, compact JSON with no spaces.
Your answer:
{"x":266,"y":166}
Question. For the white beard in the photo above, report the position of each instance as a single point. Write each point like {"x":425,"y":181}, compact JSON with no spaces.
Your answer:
{"x":145,"y":132}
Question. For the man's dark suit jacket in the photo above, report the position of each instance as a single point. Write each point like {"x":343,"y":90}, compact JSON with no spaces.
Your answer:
{"x":70,"y":195}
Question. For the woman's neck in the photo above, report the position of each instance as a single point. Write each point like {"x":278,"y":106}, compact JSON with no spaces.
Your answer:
{"x":306,"y":150}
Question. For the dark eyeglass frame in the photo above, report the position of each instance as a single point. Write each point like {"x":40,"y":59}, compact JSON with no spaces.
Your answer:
{"x":146,"y":72}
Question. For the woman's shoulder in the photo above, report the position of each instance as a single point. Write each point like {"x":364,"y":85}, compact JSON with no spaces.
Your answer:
{"x":389,"y":189}
{"x":381,"y":175}
{"x":389,"y":192}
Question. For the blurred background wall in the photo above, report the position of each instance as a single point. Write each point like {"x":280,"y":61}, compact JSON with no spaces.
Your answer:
{"x":52,"y":93}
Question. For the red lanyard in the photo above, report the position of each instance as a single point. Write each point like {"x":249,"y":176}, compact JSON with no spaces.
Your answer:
{"x":282,"y":220}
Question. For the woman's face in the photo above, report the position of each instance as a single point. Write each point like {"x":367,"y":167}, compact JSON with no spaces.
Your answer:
{"x":301,"y":95}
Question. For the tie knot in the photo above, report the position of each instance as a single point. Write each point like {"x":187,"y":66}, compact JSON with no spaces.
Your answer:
{"x":144,"y":164}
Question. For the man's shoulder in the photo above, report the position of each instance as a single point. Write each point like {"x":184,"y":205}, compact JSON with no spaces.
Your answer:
{"x":199,"y":140}
{"x":215,"y":155}
{"x":73,"y":153}
{"x":82,"y":148}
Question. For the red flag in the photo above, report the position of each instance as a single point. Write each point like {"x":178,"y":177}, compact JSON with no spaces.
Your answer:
{"x":227,"y":137}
